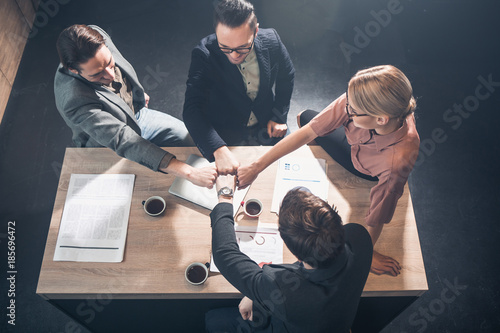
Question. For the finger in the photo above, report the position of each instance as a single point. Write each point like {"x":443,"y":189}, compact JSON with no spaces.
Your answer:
{"x":391,"y":269}
{"x":376,"y":271}
{"x":242,"y":313}
{"x":397,"y":269}
{"x":392,"y":263}
{"x":270,"y":130}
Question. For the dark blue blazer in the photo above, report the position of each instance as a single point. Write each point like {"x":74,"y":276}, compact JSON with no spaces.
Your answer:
{"x":216,"y":98}
{"x":289,"y":297}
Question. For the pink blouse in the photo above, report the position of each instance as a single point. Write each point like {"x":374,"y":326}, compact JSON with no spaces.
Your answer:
{"x":389,"y":157}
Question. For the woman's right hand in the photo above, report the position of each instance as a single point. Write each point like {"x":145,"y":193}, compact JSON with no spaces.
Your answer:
{"x":246,"y":175}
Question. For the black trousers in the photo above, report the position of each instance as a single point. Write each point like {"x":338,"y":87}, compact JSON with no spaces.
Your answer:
{"x":336,"y":145}
{"x":229,"y":320}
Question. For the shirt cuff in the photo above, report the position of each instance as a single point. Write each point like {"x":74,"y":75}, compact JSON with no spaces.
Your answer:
{"x":278,"y":116}
{"x":165,"y":161}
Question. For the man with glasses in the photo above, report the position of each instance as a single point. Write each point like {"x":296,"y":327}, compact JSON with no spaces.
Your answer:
{"x":229,"y":97}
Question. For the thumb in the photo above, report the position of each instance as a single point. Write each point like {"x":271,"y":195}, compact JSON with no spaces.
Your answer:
{"x":270,"y":129}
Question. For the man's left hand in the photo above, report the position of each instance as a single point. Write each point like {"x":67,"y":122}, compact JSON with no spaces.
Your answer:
{"x":146,"y":97}
{"x":275,"y":130}
{"x":245,"y":308}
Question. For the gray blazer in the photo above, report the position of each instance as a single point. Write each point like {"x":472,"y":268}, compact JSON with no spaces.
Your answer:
{"x":100,"y":118}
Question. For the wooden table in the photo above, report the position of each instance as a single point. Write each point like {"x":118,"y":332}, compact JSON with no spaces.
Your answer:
{"x":158,"y":249}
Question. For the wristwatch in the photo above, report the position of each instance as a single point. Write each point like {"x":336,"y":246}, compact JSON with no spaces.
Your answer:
{"x":225,"y":192}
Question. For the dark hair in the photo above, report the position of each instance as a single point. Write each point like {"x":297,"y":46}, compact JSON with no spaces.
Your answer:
{"x":234,"y":13}
{"x":77,"y":44}
{"x":310,"y":228}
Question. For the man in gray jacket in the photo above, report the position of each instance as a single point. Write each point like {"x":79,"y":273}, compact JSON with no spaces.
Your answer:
{"x":100,"y":98}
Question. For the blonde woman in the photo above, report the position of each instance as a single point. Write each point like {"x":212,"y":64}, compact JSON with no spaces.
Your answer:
{"x":370,"y":130}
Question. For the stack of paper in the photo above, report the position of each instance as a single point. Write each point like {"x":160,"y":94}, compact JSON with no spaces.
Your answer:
{"x":293,"y":172}
{"x":95,"y":218}
{"x":263,"y":244}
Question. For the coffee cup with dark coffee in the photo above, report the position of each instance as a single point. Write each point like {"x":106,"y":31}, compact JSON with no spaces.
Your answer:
{"x":253,"y":207}
{"x":197,"y":273}
{"x":154,"y":205}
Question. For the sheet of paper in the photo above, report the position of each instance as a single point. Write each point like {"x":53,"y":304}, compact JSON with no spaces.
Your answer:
{"x":202,"y":196}
{"x":263,"y":244}
{"x":95,"y":218}
{"x":293,"y":172}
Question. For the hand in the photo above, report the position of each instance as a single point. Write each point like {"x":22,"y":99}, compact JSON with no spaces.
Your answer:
{"x":146,"y":97}
{"x":225,"y":161}
{"x":384,"y":265}
{"x":275,"y":130}
{"x":245,"y":308}
{"x":205,"y":177}
{"x":246,"y":175}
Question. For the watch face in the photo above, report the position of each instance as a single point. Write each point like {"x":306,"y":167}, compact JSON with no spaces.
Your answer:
{"x":226,"y":191}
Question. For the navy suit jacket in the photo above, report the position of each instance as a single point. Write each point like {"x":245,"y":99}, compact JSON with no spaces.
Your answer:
{"x":216,"y":98}
{"x":289,"y":297}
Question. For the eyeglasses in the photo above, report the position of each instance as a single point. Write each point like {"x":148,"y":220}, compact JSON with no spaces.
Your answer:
{"x":353,"y":114}
{"x":239,"y":50}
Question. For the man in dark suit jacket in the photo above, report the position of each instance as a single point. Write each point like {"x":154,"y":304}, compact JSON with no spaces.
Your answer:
{"x":319,"y":293}
{"x":229,"y":97}
{"x":100,"y":98}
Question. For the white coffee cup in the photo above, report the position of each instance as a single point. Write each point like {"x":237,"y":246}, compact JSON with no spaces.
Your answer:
{"x":196,"y":273}
{"x":253,"y":207}
{"x":154,"y":205}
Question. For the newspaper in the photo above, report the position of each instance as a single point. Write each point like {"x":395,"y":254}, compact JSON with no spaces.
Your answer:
{"x":95,"y":218}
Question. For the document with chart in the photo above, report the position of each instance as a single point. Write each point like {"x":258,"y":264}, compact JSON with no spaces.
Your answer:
{"x":95,"y":218}
{"x":293,"y":172}
{"x":262,"y":243}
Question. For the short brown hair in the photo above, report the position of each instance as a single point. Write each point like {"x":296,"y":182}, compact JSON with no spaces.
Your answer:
{"x":311,"y":229}
{"x":77,"y":44}
{"x":234,"y":13}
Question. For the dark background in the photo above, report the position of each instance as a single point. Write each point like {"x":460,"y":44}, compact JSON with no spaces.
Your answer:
{"x":446,"y":48}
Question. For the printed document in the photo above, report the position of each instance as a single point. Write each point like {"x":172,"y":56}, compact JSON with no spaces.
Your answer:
{"x":263,"y":244}
{"x":202,"y":196}
{"x":95,"y":218}
{"x":293,"y":172}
